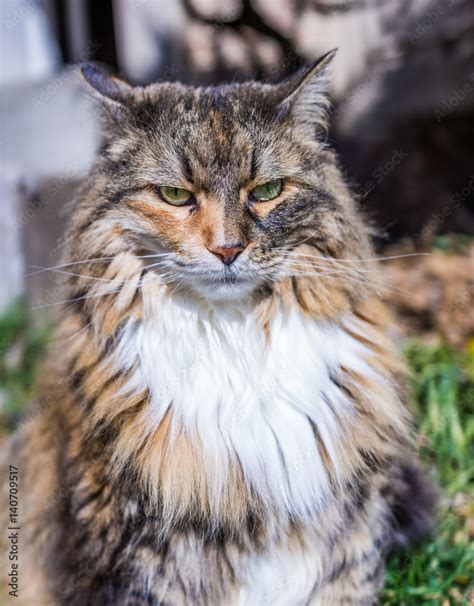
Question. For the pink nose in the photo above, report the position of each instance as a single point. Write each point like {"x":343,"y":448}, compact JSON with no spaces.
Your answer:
{"x":228,"y":253}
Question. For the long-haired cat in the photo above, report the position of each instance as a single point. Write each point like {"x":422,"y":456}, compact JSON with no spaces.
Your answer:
{"x":221,"y":420}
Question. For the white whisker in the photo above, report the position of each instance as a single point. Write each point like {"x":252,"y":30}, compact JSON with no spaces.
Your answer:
{"x":350,"y":276}
{"x":296,"y":254}
{"x":93,"y":260}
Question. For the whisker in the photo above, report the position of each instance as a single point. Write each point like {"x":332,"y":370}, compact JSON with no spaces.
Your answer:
{"x":375,"y":283}
{"x":309,"y":265}
{"x":73,"y":300}
{"x":98,"y":278}
{"x":94,"y":260}
{"x":76,"y":334}
{"x":160,"y":280}
{"x":368,"y":260}
{"x":85,"y":276}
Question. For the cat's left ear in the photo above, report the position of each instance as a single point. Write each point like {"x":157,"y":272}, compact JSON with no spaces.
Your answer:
{"x":112,"y":92}
{"x":306,"y":95}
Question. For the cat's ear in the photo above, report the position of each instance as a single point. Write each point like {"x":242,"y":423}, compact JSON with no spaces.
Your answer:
{"x":113,"y":93}
{"x":306,"y":95}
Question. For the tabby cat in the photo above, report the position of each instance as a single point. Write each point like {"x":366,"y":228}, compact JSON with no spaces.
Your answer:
{"x":221,"y":420}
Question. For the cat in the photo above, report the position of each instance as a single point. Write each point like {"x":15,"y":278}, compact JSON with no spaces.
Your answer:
{"x":221,"y":419}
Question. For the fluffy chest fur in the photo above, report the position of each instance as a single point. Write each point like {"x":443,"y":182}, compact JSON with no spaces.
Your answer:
{"x":265,"y":404}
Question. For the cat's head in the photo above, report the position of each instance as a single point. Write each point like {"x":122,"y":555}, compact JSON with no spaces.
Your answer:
{"x":223,"y":182}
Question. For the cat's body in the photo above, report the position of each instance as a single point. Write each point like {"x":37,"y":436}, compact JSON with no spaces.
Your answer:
{"x":217,"y":434}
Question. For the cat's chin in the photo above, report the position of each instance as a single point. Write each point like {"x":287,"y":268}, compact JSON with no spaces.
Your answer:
{"x":224,"y":290}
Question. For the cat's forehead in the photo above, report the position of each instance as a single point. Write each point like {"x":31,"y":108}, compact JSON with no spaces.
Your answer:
{"x":225,"y":110}
{"x":214,"y":130}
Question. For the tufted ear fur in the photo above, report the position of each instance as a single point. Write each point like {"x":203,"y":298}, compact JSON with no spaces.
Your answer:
{"x":113,"y":93}
{"x":306,"y":97}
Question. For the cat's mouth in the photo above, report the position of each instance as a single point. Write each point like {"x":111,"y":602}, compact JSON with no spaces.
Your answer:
{"x":212,"y":282}
{"x":227,"y":277}
{"x":224,"y":284}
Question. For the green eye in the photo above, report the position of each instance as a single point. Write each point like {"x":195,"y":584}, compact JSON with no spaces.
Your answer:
{"x":267,"y":191}
{"x":175,"y":195}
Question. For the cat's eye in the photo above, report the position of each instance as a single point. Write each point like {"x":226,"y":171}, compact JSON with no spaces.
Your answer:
{"x":267,"y":191}
{"x":175,"y":195}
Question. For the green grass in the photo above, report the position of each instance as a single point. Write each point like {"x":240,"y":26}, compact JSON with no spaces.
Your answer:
{"x":438,"y":572}
{"x":22,"y":346}
{"x":435,"y":573}
{"x":453,"y":243}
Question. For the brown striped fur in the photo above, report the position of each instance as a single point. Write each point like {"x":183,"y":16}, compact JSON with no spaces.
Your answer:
{"x":117,"y":513}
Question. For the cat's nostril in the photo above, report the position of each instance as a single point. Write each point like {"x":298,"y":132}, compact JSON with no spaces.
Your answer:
{"x":228,"y":253}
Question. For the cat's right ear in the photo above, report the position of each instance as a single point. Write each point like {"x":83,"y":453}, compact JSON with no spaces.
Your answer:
{"x":305,"y":95}
{"x":112,"y":92}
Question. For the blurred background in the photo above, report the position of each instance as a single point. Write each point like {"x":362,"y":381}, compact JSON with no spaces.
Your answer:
{"x":403,"y":123}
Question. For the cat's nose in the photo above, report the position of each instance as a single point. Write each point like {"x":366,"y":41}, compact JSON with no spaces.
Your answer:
{"x":227,"y":253}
